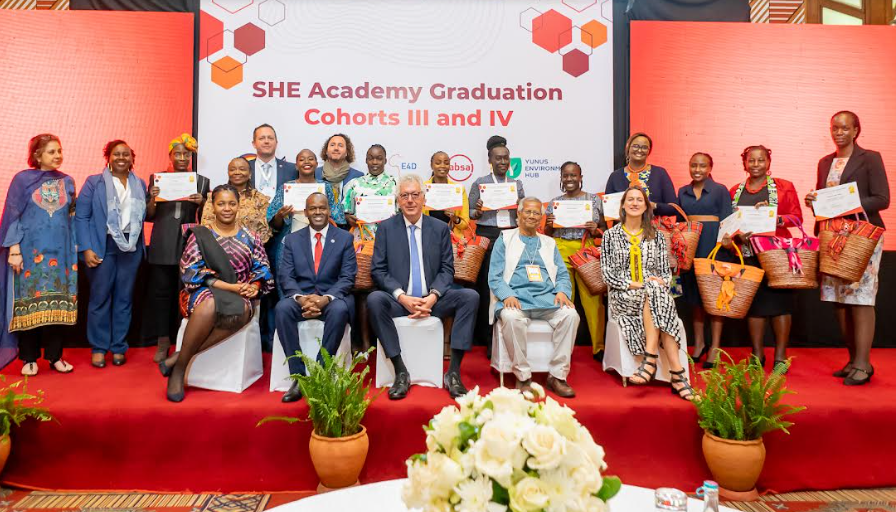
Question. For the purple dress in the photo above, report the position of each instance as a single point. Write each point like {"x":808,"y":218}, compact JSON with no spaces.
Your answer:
{"x":247,"y":257}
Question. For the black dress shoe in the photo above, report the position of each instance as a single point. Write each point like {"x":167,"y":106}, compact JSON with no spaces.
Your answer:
{"x":599,"y":356}
{"x":454,"y":385}
{"x":118,"y":359}
{"x":294,"y":394}
{"x":400,"y":387}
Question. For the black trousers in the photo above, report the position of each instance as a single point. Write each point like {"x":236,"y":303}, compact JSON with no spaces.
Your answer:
{"x":459,"y":303}
{"x":49,"y":337}
{"x":483,"y":332}
{"x":161,"y":313}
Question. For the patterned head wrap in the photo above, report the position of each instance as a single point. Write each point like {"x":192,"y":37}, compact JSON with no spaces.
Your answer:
{"x":187,"y":140}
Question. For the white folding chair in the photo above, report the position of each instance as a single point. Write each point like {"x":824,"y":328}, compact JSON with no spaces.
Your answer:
{"x":232,"y":365}
{"x":421,"y":342}
{"x":310,"y":334}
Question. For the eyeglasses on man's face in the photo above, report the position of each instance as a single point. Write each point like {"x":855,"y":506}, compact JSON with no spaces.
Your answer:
{"x":404,"y":196}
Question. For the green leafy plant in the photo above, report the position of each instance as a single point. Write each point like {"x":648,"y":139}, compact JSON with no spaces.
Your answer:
{"x":741,"y":402}
{"x":336,"y":394}
{"x":17,"y":405}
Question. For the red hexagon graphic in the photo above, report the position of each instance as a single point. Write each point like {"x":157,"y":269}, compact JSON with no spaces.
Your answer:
{"x":552,"y":31}
{"x":575,"y":63}
{"x":209,"y":27}
{"x":248,"y":39}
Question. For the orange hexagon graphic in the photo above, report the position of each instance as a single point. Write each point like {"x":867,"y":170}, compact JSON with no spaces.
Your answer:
{"x":552,"y":31}
{"x":594,"y":33}
{"x":227,"y":72}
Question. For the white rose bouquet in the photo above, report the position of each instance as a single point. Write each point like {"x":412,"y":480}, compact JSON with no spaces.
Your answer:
{"x":508,"y":452}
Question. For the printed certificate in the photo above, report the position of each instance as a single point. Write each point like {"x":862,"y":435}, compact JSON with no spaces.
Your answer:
{"x":747,"y":219}
{"x":295,"y":194}
{"x":374,"y":208}
{"x":572,"y":214}
{"x":175,"y":186}
{"x":498,"y":196}
{"x":444,"y":196}
{"x":612,"y":205}
{"x":837,"y":201}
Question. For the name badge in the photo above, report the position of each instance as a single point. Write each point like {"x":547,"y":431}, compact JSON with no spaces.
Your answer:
{"x":534,"y":273}
{"x":503,"y":218}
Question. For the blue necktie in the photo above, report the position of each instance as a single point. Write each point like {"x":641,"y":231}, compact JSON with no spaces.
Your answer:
{"x":416,"y":282}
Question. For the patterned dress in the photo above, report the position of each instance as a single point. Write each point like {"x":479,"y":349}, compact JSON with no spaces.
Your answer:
{"x":252,"y":214}
{"x":247,"y":257}
{"x":38,"y":217}
{"x":627,"y":306}
{"x":368,"y":185}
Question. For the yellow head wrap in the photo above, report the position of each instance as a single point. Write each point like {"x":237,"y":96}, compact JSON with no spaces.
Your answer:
{"x":187,"y":140}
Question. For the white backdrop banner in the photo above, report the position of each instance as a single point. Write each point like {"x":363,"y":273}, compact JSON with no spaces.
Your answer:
{"x":415,"y":76}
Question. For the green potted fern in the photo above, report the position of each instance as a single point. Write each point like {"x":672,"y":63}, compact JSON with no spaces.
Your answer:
{"x":739,"y":404}
{"x":338,"y":399}
{"x":16,"y":406}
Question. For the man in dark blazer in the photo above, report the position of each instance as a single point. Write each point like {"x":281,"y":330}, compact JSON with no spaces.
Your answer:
{"x":269,"y":173}
{"x":317,"y":273}
{"x":413,"y":267}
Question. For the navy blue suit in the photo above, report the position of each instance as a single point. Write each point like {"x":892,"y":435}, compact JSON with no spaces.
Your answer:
{"x":112,"y":281}
{"x":286,"y":171}
{"x":390,"y":270}
{"x":335,"y":276}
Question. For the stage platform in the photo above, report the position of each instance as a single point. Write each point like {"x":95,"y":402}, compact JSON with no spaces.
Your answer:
{"x":117,"y":431}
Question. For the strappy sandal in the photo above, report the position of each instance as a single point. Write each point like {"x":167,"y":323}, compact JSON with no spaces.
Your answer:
{"x":642,"y":372}
{"x":852,"y":381}
{"x":29,"y":369}
{"x":678,"y":378}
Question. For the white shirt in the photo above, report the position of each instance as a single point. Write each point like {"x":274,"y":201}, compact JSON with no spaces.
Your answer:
{"x":418,"y":236}
{"x":323,"y":241}
{"x":124,"y":205}
{"x":266,"y":177}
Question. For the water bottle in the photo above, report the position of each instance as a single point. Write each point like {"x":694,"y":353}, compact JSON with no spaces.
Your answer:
{"x":710,"y":493}
{"x":667,"y":498}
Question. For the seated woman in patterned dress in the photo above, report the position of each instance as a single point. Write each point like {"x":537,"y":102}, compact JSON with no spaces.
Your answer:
{"x":635,"y":264}
{"x":224,"y":268}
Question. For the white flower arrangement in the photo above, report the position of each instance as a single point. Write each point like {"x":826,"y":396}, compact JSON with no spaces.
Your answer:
{"x":508,"y":451}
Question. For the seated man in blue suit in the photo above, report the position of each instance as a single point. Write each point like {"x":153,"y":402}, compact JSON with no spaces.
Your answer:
{"x":317,"y":273}
{"x":413,"y":267}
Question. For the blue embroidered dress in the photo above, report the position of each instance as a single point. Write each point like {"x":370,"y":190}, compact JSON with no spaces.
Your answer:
{"x":38,"y":217}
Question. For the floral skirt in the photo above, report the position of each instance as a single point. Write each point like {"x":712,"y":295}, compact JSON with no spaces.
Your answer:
{"x":861,"y":293}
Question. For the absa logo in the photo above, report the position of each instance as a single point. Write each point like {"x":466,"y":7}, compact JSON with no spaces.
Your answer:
{"x":461,"y":168}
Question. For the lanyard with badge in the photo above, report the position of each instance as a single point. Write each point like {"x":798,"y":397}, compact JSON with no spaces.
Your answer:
{"x":533,"y":271}
{"x":502,"y":218}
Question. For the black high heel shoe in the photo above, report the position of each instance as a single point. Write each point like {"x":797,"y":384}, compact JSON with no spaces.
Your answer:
{"x":685,"y":392}
{"x":165,"y":369}
{"x":702,"y":353}
{"x":843,"y":372}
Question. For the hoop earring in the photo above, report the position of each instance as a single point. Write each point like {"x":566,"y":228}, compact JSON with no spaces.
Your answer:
{"x":768,"y":172}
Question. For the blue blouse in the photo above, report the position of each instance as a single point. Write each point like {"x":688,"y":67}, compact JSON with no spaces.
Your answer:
{"x":659,"y":184}
{"x":714,"y":200}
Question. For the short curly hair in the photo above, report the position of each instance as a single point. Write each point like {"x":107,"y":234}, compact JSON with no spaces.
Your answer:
{"x":349,"y":148}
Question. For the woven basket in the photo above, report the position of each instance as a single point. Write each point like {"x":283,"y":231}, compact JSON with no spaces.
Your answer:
{"x":711,"y":275}
{"x":686,"y":233}
{"x":847,"y":246}
{"x":364,"y":256}
{"x":586,"y":262}
{"x":469,"y":252}
{"x":789,"y":263}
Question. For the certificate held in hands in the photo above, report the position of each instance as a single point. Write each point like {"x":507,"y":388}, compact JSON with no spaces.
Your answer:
{"x":612,"y":205}
{"x":498,"y":196}
{"x":748,"y":219}
{"x":444,"y":196}
{"x":175,"y":186}
{"x":833,"y":202}
{"x":295,"y":194}
{"x":572,"y":214}
{"x":374,"y":208}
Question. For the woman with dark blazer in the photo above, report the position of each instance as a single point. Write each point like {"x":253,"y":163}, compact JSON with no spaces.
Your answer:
{"x":160,"y":315}
{"x":109,"y":224}
{"x":638,"y":173}
{"x":854,"y":302}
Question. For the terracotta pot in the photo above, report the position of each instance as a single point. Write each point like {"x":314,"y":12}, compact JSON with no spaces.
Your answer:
{"x":338,"y":460}
{"x":5,"y":446}
{"x":735,"y":465}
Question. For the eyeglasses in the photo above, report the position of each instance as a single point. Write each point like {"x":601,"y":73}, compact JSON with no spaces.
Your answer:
{"x":404,"y":196}
{"x":638,"y":147}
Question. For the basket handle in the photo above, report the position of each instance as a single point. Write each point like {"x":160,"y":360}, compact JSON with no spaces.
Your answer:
{"x":715,"y":251}
{"x":587,"y":235}
{"x":680,"y":210}
{"x":798,"y":223}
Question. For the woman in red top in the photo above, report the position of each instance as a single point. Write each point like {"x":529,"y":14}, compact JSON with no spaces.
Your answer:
{"x":760,"y":189}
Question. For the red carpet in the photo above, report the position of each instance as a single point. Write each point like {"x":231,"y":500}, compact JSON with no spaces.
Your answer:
{"x":117,"y":431}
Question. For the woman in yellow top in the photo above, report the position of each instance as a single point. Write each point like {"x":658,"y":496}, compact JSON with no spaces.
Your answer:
{"x":569,"y":241}
{"x":458,"y":219}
